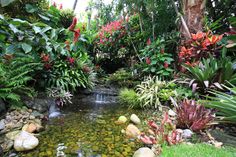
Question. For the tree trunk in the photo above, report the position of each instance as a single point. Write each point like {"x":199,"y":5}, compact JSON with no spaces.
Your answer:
{"x":75,"y":4}
{"x":193,"y":11}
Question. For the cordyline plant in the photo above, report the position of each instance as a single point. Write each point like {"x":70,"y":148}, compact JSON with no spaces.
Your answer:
{"x":193,"y":116}
{"x":201,"y":45}
{"x":161,"y":134}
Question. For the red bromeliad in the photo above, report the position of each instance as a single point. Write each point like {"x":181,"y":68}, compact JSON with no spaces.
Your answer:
{"x":166,"y":65}
{"x":194,"y":116}
{"x":71,"y":60}
{"x":45,"y":58}
{"x":148,"y":60}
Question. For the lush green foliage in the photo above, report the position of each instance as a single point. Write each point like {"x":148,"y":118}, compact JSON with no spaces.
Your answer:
{"x":197,"y":150}
{"x":128,"y":97}
{"x":153,"y":92}
{"x":14,"y":76}
{"x":157,"y":61}
{"x":123,"y":78}
{"x":193,"y":116}
{"x":65,"y":62}
{"x":225,"y":103}
{"x":210,"y":73}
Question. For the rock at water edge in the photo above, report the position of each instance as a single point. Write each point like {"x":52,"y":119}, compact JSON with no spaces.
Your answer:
{"x":132,"y":131}
{"x":135,"y":119}
{"x":25,"y":141}
{"x":121,"y":120}
{"x":144,"y":152}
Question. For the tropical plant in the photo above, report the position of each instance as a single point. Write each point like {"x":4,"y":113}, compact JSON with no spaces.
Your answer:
{"x":210,"y":73}
{"x":201,"y":45}
{"x":157,"y":61}
{"x":128,"y":97}
{"x":123,"y":78}
{"x":193,"y":116}
{"x":153,"y":92}
{"x":15,"y":73}
{"x":66,"y":63}
{"x":224,"y":103}
{"x":160,"y":135}
{"x":62,"y":97}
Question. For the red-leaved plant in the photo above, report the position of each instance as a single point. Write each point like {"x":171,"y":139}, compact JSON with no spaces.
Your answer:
{"x":160,"y":134}
{"x":201,"y":45}
{"x":193,"y":116}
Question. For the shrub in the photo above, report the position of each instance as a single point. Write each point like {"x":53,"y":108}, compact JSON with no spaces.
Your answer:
{"x":160,"y":135}
{"x":200,"y":46}
{"x":129,"y":97}
{"x":156,"y":60}
{"x":123,"y":78}
{"x":14,"y":75}
{"x":153,"y":92}
{"x":210,"y":73}
{"x":224,"y":103}
{"x":193,"y":116}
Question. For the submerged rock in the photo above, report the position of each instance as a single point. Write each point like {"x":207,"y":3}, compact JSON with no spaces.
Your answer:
{"x":144,"y":152}
{"x":25,"y":141}
{"x":121,"y":120}
{"x":132,"y":131}
{"x":135,"y":119}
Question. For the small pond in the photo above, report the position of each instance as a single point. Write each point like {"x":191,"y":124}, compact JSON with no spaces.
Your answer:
{"x":87,"y":130}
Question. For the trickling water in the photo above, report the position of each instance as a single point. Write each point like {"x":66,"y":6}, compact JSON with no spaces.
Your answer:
{"x":100,"y":98}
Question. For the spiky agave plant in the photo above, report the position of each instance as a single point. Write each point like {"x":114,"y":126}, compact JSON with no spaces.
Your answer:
{"x":193,"y":116}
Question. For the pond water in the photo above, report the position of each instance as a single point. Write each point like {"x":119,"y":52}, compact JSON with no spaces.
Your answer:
{"x":87,"y":129}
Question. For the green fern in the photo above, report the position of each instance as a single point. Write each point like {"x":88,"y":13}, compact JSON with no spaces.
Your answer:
{"x":14,"y":76}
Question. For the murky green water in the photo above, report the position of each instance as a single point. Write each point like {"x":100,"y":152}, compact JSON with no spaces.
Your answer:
{"x":91,"y":130}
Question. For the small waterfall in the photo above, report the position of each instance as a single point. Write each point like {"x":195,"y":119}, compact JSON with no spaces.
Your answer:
{"x":100,"y":98}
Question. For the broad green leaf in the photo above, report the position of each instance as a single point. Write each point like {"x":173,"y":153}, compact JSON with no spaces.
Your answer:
{"x":26,"y":47}
{"x":36,"y":29}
